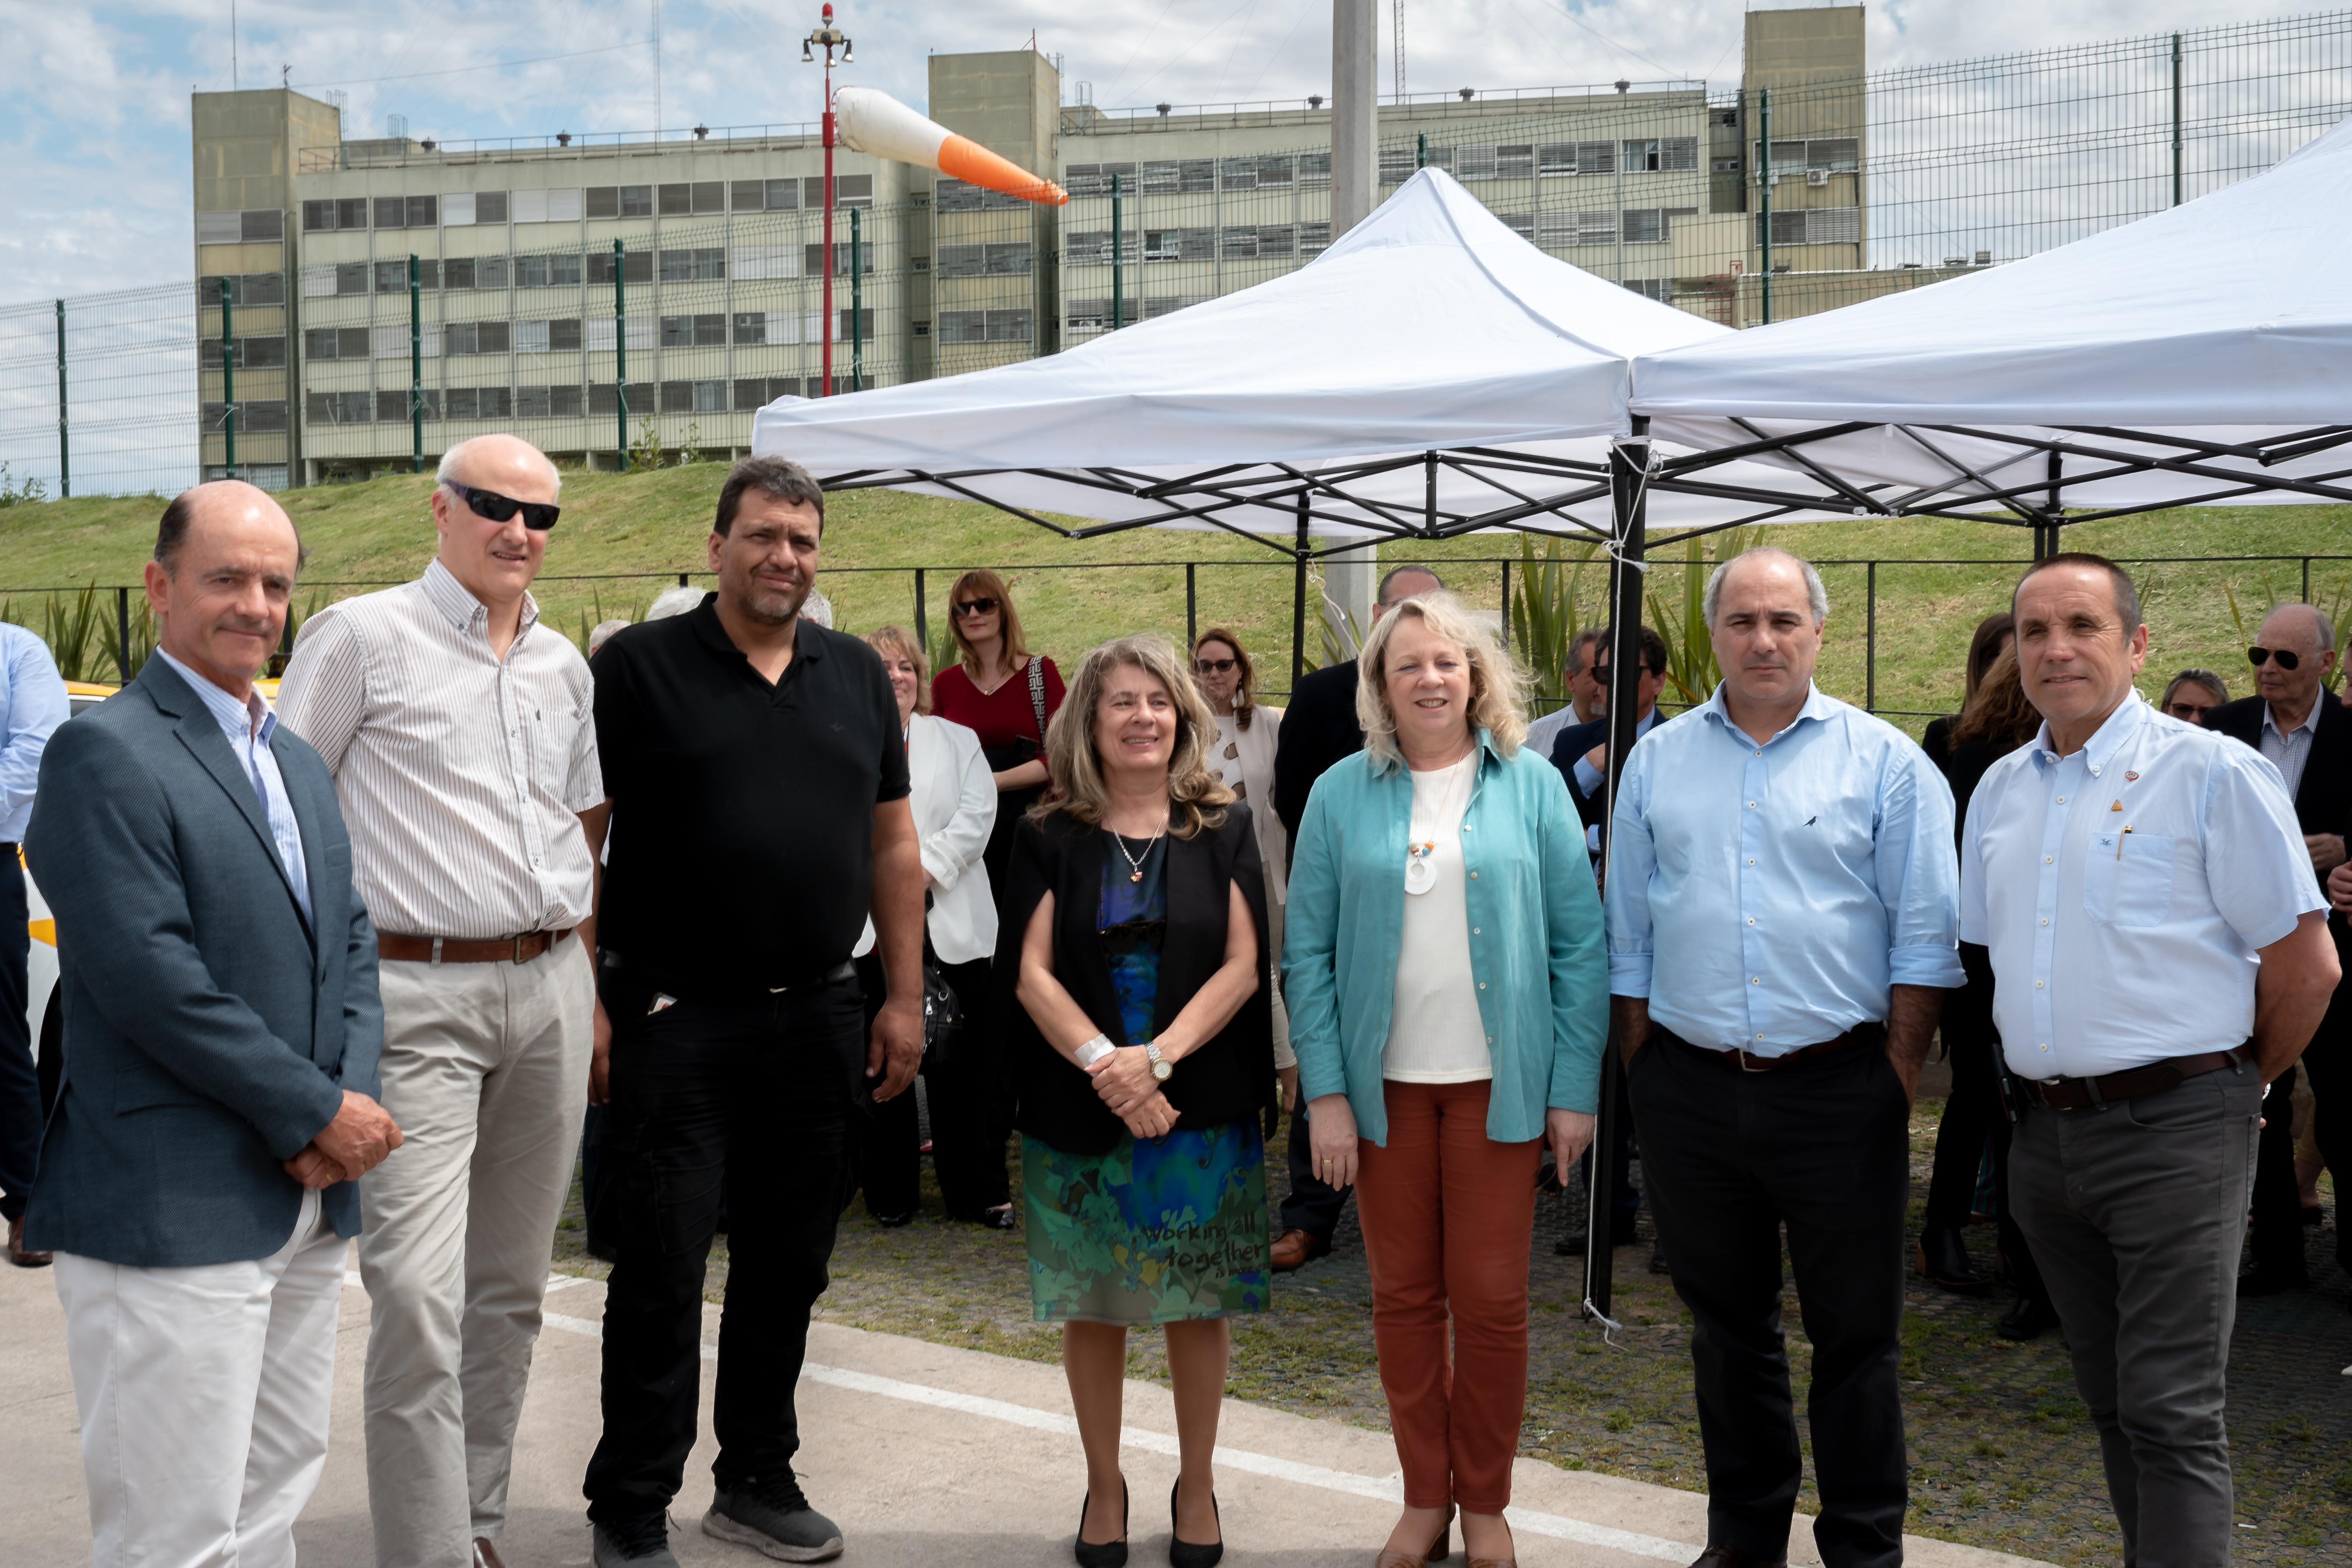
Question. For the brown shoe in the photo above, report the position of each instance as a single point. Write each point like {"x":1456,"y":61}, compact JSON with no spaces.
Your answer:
{"x":486,"y":1553}
{"x":1294,"y":1248}
{"x":16,"y":1252}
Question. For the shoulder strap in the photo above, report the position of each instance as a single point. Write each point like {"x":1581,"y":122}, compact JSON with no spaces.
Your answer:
{"x":1037,"y":692}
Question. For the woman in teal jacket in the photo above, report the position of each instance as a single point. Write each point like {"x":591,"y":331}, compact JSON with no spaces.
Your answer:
{"x":1447,"y":980}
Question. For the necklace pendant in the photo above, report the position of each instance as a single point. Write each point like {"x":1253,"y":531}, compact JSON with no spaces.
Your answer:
{"x":1135,"y":875}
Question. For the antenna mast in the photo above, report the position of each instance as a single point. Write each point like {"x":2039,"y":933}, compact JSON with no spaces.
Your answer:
{"x":1397,"y":31}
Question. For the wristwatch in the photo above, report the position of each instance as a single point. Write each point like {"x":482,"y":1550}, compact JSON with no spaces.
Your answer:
{"x":1161,"y":1068}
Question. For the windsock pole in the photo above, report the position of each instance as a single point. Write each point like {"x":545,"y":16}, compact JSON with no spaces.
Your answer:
{"x":828,"y":228}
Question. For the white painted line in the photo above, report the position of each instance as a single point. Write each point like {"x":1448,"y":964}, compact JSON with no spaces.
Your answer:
{"x":1382,"y":1488}
{"x":555,"y":1282}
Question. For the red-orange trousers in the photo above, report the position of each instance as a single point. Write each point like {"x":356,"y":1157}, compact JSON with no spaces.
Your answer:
{"x":1448,"y":1216}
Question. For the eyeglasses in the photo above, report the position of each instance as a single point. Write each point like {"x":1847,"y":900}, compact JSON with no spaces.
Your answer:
{"x":1214,"y":665}
{"x":971,"y":608}
{"x":2287,"y":657}
{"x":2193,"y":711}
{"x":537,"y":516}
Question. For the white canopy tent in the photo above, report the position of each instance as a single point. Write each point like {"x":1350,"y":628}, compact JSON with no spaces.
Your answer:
{"x":2200,"y":356}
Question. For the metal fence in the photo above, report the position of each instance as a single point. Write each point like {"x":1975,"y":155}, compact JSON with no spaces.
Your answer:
{"x":1742,"y":206}
{"x":2201,"y":611}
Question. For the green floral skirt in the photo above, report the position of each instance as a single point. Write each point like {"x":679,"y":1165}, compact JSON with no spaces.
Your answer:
{"x":1153,"y":1232}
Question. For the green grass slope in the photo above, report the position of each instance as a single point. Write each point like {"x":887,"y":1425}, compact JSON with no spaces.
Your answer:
{"x":623,"y":534}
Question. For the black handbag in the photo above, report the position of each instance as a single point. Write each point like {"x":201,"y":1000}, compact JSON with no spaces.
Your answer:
{"x":943,"y":1021}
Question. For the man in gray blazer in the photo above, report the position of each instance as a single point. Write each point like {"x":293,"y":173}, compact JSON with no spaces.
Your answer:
{"x":197,"y":1177}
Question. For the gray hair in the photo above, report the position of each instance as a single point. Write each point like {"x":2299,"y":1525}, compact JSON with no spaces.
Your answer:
{"x":779,"y":479}
{"x":448,"y":472}
{"x":2319,"y":621}
{"x":602,"y":633}
{"x":1817,"y":598}
{"x":676,"y":601}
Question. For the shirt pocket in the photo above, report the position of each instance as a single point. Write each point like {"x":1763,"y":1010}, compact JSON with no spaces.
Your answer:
{"x":2127,"y":877}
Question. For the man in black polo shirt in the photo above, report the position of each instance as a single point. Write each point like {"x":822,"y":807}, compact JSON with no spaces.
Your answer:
{"x":759,"y":785}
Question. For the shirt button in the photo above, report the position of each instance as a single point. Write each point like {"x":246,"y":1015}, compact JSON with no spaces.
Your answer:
{"x":2046,"y":859}
{"x":2061,"y":799}
{"x":1751,"y":806}
{"x":1751,"y":859}
{"x":1474,"y":930}
{"x":1751,"y":920}
{"x":1759,"y":1036}
{"x":1473,"y":876}
{"x":2045,"y":1045}
{"x":1482,"y":985}
{"x":1755,"y":980}
{"x":2046,"y":919}
{"x":2037,"y":985}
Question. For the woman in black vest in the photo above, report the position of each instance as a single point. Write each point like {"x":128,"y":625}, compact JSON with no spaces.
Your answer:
{"x":1142,"y":1061}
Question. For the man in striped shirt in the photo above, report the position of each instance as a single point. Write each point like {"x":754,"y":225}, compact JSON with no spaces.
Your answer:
{"x":461,"y":735}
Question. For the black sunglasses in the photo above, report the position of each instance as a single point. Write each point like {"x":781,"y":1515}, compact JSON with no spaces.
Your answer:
{"x":1214,"y":665}
{"x":537,"y":516}
{"x":972,"y":608}
{"x":2287,"y":657}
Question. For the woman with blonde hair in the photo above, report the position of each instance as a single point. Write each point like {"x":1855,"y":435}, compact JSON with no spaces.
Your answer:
{"x":1143,"y":1059}
{"x":955,"y":803}
{"x":1447,"y":979}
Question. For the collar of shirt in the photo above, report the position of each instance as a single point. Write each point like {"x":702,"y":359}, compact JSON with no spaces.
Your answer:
{"x":2100,"y":749}
{"x":457,"y":605}
{"x":712,"y":631}
{"x":1816,"y":707}
{"x":2310,"y":721}
{"x":250,"y":721}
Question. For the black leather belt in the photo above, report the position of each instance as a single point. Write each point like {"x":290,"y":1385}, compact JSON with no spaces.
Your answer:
{"x":2088,"y":1093}
{"x":1860,"y":1034}
{"x":845,"y":970}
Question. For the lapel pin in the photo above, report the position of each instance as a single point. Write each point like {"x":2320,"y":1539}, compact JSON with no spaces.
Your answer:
{"x":2132,"y":775}
{"x":2117,"y":807}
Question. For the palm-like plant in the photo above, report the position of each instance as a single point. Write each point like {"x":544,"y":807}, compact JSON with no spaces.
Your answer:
{"x":1546,"y":614}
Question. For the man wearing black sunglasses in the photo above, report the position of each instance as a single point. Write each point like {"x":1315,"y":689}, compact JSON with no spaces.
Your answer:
{"x":462,"y":738}
{"x":2295,"y":721}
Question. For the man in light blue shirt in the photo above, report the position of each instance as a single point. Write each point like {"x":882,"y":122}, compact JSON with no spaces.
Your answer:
{"x":2159,"y":953}
{"x":32,"y":705}
{"x":1782,"y":904}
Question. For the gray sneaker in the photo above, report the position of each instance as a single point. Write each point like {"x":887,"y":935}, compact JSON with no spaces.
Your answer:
{"x":643,"y":1542}
{"x":773,"y":1517}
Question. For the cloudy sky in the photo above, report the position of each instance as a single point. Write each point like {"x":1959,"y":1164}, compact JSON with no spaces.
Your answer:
{"x":94,"y":94}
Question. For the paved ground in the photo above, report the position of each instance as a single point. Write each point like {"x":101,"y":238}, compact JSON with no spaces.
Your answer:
{"x":2002,"y":1453}
{"x":925,"y":1454}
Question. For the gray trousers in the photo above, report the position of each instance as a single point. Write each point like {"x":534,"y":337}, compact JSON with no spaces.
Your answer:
{"x":486,"y":1069}
{"x":2136,"y":1212}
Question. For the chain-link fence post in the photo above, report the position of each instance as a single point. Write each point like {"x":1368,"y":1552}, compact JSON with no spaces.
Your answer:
{"x":620,"y":356}
{"x":65,"y":458}
{"x":228,"y":394}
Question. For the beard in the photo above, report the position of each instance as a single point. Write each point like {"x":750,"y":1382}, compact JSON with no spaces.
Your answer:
{"x":772,"y":606}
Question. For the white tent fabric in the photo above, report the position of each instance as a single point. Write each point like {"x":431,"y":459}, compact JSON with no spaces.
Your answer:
{"x":2215,"y":337}
{"x":1430,"y":367}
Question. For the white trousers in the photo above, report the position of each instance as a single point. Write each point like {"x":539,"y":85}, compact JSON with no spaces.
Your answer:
{"x":486,"y":1068}
{"x":204,"y":1395}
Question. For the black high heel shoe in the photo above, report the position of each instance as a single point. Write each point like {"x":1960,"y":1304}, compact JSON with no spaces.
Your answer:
{"x":1183,"y":1553}
{"x":1102,"y":1553}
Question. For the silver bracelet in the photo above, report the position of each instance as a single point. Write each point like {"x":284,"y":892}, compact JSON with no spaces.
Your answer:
{"x":1094,"y":1050}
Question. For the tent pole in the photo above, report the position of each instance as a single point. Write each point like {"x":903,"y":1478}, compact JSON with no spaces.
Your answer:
{"x":1298,"y":602}
{"x":2053,"y":514}
{"x":1629,"y":463}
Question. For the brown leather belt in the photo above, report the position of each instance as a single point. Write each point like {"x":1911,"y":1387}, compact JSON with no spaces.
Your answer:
{"x":1870,"y":1034}
{"x":2088,"y":1093}
{"x":452,"y":949}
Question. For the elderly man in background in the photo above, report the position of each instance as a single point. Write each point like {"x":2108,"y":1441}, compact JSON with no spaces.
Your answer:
{"x":462,"y":738}
{"x":1782,"y":915}
{"x":1588,"y":692}
{"x":2158,"y":953}
{"x":221,"y":1031}
{"x":32,"y":705}
{"x":2295,"y":721}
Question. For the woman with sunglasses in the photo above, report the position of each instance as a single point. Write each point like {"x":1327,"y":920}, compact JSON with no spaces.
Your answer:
{"x":1002,"y":693}
{"x":1242,"y":755}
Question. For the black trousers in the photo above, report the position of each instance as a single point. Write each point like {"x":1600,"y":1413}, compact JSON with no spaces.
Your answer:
{"x":1731,"y":1158}
{"x":1312,"y":1204}
{"x":2277,"y":1229}
{"x":749,"y":1104}
{"x":2327,"y":1061}
{"x":20,"y":1087}
{"x":1972,"y":1120}
{"x":969,"y":1127}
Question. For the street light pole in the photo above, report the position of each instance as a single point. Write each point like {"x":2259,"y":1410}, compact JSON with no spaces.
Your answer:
{"x":832,"y":37}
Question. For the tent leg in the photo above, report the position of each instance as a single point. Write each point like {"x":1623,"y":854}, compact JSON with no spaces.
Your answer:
{"x":1298,"y":603}
{"x":1629,"y":462}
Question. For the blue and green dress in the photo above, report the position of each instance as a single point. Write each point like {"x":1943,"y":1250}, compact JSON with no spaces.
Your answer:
{"x":1156,"y":1230}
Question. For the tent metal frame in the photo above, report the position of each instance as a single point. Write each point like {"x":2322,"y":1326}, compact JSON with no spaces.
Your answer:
{"x":1993,"y":491}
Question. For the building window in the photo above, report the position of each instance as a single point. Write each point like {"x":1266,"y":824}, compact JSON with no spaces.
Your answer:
{"x":754,"y":392}
{"x":474,"y":272}
{"x":547,"y":402}
{"x":243,"y":289}
{"x":1661,"y":290}
{"x":765,"y":195}
{"x":1559,"y":159}
{"x":255,"y":416}
{"x":560,"y":335}
{"x":338,"y":407}
{"x":1516,"y":161}
{"x":475,"y":337}
{"x":754,"y":327}
{"x":478,"y":403}
{"x":1644,"y":226}
{"x":1562,"y":230}
{"x":812,"y":258}
{"x":1094,"y":179}
{"x":848,"y":191}
{"x":1473,"y":162}
{"x":335,"y":277}
{"x":392,"y":342}
{"x":985,"y":326}
{"x":393,"y":408}
{"x":391,"y":277}
{"x":642,"y":330}
{"x":391,"y":212}
{"x":1093,"y":248}
{"x":986,"y":260}
{"x":1813,"y":225}
{"x":316,"y":215}
{"x":1397,"y":165}
{"x":708,"y":265}
{"x":1174,"y":176}
{"x":257,"y":352}
{"x":219,"y":228}
{"x":1314,"y":239}
{"x":674,"y":200}
{"x":1254,"y":173}
{"x":545,"y":206}
{"x":694,"y":331}
{"x":1245,"y":242}
{"x":694,"y":397}
{"x":1315,"y":171}
{"x":636,"y":267}
{"x":639,"y":394}
{"x":956,"y":196}
{"x":1836,"y":155}
{"x":1180,"y":245}
{"x":561,"y":269}
{"x":754,"y":262}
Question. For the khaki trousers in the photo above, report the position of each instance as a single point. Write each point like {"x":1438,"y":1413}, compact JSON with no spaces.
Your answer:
{"x":486,"y":1069}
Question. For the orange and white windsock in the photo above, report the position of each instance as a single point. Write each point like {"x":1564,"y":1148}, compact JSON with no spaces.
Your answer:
{"x":873,"y":121}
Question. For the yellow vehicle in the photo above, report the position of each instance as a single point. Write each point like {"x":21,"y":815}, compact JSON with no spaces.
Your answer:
{"x":42,"y":1013}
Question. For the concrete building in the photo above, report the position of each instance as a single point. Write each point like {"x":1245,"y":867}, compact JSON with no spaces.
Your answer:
{"x":707,"y":249}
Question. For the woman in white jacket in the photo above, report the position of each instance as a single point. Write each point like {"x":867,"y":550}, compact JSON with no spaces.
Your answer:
{"x":955,"y":803}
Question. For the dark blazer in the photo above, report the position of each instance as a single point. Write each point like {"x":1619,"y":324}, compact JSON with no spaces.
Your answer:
{"x":2323,"y":803}
{"x":208,"y":1036}
{"x":1230,"y":1077}
{"x":1318,"y":728}
{"x":1567,"y":747}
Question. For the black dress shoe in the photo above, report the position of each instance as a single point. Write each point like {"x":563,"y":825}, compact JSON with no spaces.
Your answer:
{"x":894,"y":1221}
{"x":2029,"y":1320}
{"x":2263,"y":1280}
{"x":1732,"y":1557}
{"x":1001,"y":1217}
{"x":1183,"y":1553}
{"x":2314,"y":1215}
{"x":1101,"y":1554}
{"x":1943,"y":1258}
{"x":1658,"y":1259}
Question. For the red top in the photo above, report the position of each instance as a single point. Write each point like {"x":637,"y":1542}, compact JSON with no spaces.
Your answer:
{"x":1000,"y":717}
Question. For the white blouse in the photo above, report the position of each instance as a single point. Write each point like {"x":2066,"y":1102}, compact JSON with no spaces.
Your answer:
{"x":1436,"y":1035}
